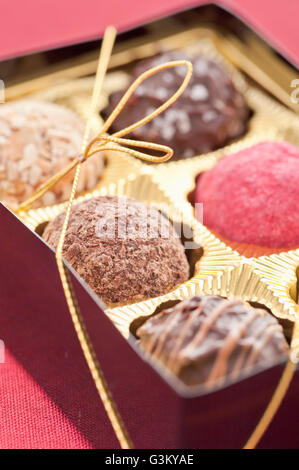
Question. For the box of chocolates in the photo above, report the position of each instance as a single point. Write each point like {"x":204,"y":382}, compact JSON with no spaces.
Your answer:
{"x":176,"y":281}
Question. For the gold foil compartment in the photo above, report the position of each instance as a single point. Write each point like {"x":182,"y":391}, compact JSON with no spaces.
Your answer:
{"x":207,"y":262}
{"x":280,"y":274}
{"x":241,"y":280}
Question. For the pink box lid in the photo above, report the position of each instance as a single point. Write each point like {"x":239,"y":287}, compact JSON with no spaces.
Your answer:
{"x":34,"y":25}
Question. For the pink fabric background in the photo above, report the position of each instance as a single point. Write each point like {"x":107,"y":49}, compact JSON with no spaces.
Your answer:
{"x":34,"y":25}
{"x":29,"y":418}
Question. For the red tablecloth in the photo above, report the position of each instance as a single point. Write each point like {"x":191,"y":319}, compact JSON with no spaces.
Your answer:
{"x":29,"y":418}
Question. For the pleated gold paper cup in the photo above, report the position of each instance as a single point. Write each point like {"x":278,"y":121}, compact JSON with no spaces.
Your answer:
{"x":241,"y":280}
{"x":280,"y":274}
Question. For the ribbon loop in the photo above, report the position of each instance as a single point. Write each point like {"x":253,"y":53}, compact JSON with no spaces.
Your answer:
{"x":120,"y":106}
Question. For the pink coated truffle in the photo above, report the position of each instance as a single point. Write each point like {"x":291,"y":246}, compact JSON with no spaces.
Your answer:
{"x":253,"y":196}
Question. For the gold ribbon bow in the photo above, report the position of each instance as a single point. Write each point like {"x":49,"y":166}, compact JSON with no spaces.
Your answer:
{"x":103,"y":141}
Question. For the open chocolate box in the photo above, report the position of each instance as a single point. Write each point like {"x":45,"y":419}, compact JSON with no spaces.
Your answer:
{"x":159,"y":411}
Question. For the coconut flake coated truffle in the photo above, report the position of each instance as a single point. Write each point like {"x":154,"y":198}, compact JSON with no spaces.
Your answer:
{"x":124,"y":250}
{"x":253,"y":196}
{"x":205,"y":338}
{"x":37,"y":139}
{"x":210,"y":113}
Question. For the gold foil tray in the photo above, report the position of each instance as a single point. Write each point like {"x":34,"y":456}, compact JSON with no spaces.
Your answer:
{"x":268,"y":280}
{"x":239,"y":281}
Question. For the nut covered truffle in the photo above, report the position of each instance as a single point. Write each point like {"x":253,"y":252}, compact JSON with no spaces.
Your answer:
{"x":37,"y":139}
{"x":123,"y":249}
{"x":252,"y":196}
{"x":210,"y":113}
{"x":205,"y":338}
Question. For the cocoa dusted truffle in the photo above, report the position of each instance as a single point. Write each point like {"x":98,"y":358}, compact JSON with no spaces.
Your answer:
{"x":205,"y":338}
{"x":252,"y":196}
{"x":37,"y":139}
{"x":123,"y":249}
{"x":209,"y":114}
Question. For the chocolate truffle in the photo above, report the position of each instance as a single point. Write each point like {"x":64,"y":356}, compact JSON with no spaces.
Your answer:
{"x":210,"y":113}
{"x":252,"y":196}
{"x":37,"y":139}
{"x":123,"y":249}
{"x":205,"y":338}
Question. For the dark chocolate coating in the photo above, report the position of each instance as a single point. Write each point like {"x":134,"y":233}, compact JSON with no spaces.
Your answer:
{"x":124,"y":250}
{"x":205,"y":338}
{"x":209,"y":114}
